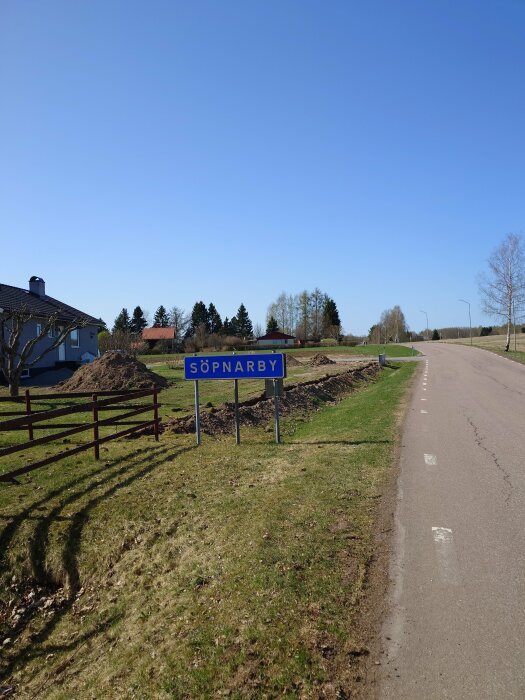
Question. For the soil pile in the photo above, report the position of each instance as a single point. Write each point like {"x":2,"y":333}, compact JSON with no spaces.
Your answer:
{"x":298,"y":398}
{"x":111,"y":372}
{"x":292,"y":361}
{"x":319,"y":360}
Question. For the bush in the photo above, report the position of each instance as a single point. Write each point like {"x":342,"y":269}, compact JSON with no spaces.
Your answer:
{"x":231,"y":342}
{"x":214,"y":342}
{"x":190,"y":345}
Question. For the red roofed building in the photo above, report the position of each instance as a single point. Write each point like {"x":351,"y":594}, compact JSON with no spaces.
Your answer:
{"x":276,"y":338}
{"x":152,"y":336}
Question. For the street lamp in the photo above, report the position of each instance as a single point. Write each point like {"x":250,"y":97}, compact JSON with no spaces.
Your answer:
{"x":426,"y":315}
{"x":469,"y":320}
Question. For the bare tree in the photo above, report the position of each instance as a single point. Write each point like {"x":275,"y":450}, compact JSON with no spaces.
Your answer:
{"x":279,"y":311}
{"x":17,"y":356}
{"x":179,"y":320}
{"x":121,"y":341}
{"x":502,"y":288}
{"x":391,"y":328}
{"x":305,"y":315}
{"x":317,"y":302}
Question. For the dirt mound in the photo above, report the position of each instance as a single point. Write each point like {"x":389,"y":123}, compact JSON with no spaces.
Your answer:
{"x":319,"y":360}
{"x":111,"y":372}
{"x":292,"y":361}
{"x":298,"y":398}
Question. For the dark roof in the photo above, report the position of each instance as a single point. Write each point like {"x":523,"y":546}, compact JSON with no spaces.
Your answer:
{"x":156,"y":333}
{"x":16,"y":299}
{"x":276,"y":335}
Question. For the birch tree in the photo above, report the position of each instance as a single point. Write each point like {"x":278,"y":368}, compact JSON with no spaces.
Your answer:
{"x":502,"y":288}
{"x":317,"y":303}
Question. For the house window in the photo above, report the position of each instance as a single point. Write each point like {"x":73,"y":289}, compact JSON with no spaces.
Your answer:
{"x":38,"y":329}
{"x":51,"y":331}
{"x":75,"y":341}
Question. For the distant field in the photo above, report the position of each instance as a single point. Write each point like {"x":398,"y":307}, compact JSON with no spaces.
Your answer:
{"x":496,"y":343}
{"x":391,"y":350}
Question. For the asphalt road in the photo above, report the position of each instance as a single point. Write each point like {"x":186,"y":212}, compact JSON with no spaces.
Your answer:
{"x":456,"y":627}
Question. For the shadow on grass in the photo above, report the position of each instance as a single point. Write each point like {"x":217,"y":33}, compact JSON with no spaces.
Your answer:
{"x":132,"y":467}
{"x":392,"y":365}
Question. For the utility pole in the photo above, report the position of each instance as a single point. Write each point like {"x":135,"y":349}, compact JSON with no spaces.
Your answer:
{"x":469,"y":318}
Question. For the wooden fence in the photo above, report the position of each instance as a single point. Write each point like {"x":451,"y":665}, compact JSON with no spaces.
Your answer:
{"x":31,"y":419}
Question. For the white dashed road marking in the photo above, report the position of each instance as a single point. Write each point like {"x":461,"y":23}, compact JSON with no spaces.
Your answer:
{"x":423,"y":411}
{"x":431,"y":460}
{"x":446,"y":555}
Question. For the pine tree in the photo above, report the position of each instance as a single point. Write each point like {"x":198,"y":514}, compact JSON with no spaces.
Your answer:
{"x":199,"y":317}
{"x":122,"y":322}
{"x":138,"y":321}
{"x":331,"y":320}
{"x":243,"y":324}
{"x":226,"y":326}
{"x":161,"y":318}
{"x":272,"y":325}
{"x":214,"y":320}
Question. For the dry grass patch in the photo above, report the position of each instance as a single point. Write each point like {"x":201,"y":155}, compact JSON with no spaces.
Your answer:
{"x":496,"y":344}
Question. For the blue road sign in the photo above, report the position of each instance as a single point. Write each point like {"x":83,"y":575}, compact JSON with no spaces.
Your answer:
{"x":260,"y":366}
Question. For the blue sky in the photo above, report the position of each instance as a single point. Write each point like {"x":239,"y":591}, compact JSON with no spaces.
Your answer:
{"x":165,"y":152}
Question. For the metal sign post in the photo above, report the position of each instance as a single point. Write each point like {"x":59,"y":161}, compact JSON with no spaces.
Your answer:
{"x":249,"y":366}
{"x":197,"y":413}
{"x":237,"y":421}
{"x":276,"y":404}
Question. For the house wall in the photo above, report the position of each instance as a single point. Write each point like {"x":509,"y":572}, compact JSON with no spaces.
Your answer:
{"x":277,"y":341}
{"x":88,"y":342}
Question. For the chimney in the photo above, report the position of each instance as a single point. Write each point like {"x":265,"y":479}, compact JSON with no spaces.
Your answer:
{"x":37,"y":286}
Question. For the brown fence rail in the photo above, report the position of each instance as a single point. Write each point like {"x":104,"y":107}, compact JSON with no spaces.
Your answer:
{"x":31,"y":420}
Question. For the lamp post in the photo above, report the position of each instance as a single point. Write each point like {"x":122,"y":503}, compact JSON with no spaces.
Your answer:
{"x":469,"y":319}
{"x":426,"y":316}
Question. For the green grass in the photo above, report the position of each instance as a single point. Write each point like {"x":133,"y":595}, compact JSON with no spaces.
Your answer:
{"x":391,"y":349}
{"x":178,"y":400}
{"x":183,"y":572}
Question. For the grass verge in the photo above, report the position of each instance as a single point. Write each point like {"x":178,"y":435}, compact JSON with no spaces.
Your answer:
{"x":496,"y":344}
{"x":174,"y":572}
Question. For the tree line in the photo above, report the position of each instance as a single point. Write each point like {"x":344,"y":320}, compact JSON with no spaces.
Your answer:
{"x":204,"y":325}
{"x":306,"y":315}
{"x":391,"y":328}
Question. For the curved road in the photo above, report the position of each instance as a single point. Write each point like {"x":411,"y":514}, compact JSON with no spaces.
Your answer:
{"x":456,"y":627}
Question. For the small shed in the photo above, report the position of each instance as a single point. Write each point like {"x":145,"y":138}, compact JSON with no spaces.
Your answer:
{"x":276,"y":339}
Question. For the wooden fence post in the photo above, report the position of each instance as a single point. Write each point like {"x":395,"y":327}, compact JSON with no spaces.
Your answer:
{"x":28,"y":413}
{"x":96,"y":448}
{"x":155,"y":413}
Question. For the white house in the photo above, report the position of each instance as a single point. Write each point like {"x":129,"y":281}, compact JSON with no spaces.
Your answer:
{"x":276,"y":339}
